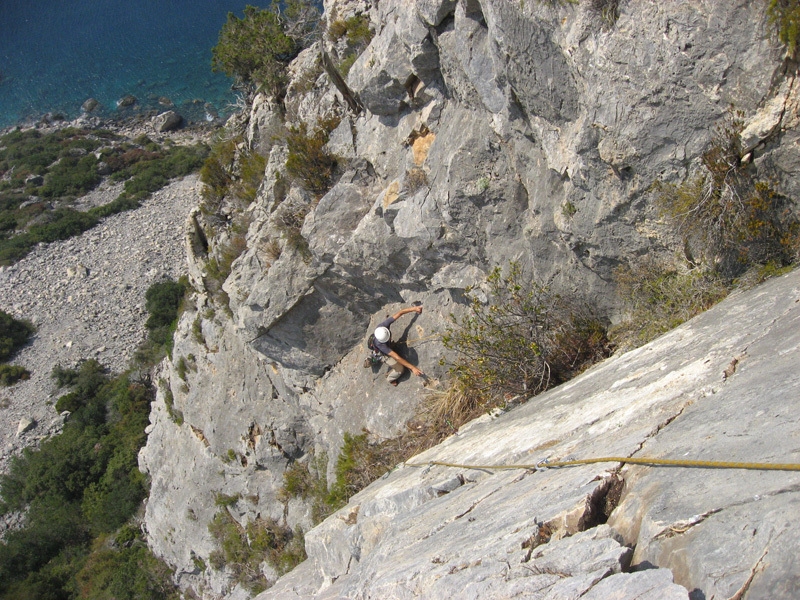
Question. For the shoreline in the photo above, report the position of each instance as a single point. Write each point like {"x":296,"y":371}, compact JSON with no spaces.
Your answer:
{"x":131,"y":123}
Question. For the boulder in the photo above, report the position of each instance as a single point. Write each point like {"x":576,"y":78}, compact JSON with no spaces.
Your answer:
{"x":126,"y":101}
{"x":25,"y":425}
{"x":398,"y":56}
{"x":167,"y":121}
{"x":89,"y":105}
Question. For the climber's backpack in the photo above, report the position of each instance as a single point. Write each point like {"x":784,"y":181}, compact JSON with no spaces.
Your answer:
{"x":376,"y":358}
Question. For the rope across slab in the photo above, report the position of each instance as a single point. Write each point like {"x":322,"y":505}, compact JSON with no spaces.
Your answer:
{"x":656,"y":462}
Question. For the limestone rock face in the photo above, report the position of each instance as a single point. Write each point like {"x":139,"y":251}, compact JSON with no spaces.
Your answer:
{"x":264,"y":125}
{"x":224,"y":429}
{"x":436,"y":532}
{"x":491,"y":131}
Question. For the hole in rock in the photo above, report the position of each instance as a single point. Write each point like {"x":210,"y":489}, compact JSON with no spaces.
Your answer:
{"x":602,"y":502}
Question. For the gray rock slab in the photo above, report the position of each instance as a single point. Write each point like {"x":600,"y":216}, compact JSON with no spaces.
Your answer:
{"x":714,"y":532}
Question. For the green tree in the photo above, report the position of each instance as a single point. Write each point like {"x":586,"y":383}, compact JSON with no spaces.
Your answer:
{"x":256,"y":49}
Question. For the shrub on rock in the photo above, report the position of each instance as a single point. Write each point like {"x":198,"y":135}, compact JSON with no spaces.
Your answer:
{"x":519,"y":342}
{"x":163,"y":302}
{"x":256,"y":49}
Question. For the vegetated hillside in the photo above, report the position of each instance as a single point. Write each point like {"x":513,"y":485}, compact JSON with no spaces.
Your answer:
{"x":416,"y":147}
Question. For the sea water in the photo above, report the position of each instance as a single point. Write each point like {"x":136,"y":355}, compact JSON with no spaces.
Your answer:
{"x":55,"y":54}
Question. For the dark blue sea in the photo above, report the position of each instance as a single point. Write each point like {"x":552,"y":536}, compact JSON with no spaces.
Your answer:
{"x":54,"y":54}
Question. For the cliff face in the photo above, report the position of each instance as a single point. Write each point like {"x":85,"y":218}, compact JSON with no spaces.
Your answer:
{"x":721,"y":387}
{"x":491,"y":131}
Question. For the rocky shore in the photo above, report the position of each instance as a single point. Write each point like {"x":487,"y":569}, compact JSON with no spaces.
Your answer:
{"x":86,"y":297}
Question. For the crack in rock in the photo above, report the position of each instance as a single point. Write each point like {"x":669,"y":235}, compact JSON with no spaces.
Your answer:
{"x":684,"y":525}
{"x":759,"y":566}
{"x":653,"y":433}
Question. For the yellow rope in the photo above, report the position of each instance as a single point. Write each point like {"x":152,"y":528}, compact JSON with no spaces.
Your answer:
{"x":669,"y":462}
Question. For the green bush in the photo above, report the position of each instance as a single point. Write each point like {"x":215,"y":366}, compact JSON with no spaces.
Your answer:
{"x":125,"y":573}
{"x":182,"y":367}
{"x":216,"y":174}
{"x":163,"y":302}
{"x":63,"y":377}
{"x":290,"y":224}
{"x":14,"y":334}
{"x":120,"y":204}
{"x":84,"y":481}
{"x":358,"y":31}
{"x":784,"y":17}
{"x":219,"y":268}
{"x":12,"y":249}
{"x":606,"y":10}
{"x":72,"y":176}
{"x":729,"y":219}
{"x":63,"y":224}
{"x":346,"y":64}
{"x":356,"y":468}
{"x":32,"y":152}
{"x":251,"y":174}
{"x":309,"y":482}
{"x":169,"y":401}
{"x":360,"y":462}
{"x":226,"y":500}
{"x":243,"y":549}
{"x":52,"y":526}
{"x":355,"y":28}
{"x":522,"y":341}
{"x":163,"y":299}
{"x":297,"y":481}
{"x":11,"y":374}
{"x":224,"y":172}
{"x":308,"y":160}
{"x":359,"y":35}
{"x":149,"y":175}
{"x":659,"y":297}
{"x":8,"y":222}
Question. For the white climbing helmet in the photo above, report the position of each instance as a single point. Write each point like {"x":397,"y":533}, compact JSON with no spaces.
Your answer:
{"x":382,"y":335}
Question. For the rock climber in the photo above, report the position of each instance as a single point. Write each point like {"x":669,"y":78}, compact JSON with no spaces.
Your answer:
{"x":381,"y":343}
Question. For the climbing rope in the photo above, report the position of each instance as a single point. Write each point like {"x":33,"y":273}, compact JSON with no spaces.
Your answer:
{"x":659,"y":462}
